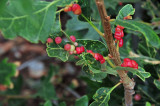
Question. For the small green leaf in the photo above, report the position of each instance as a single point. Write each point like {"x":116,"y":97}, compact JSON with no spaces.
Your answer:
{"x":150,"y":36}
{"x":58,"y":52}
{"x":84,"y":29}
{"x":83,"y":101}
{"x":7,"y":71}
{"x":62,"y":104}
{"x":125,"y":11}
{"x":48,"y":103}
{"x":80,"y":62}
{"x":140,"y":72}
{"x":94,"y":45}
{"x":148,"y":104}
{"x":64,"y":3}
{"x":157,"y":83}
{"x":47,"y":92}
{"x":111,"y":71}
{"x":101,"y":97}
{"x":94,"y":76}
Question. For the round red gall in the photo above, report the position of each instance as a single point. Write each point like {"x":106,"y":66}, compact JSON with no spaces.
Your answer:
{"x":137,"y":97}
{"x":102,"y":61}
{"x":71,"y":52}
{"x":120,"y":3}
{"x":75,"y":44}
{"x":89,"y":51}
{"x":126,"y":60}
{"x":67,"y":47}
{"x":124,"y":65}
{"x":117,"y":29}
{"x":121,"y":27}
{"x":49,"y":40}
{"x":134,"y":64}
{"x":58,"y":40}
{"x":76,"y":8}
{"x":66,"y":9}
{"x":73,"y":38}
{"x":82,"y":49}
{"x":117,"y":37}
{"x":72,"y":48}
{"x":119,"y":34}
{"x":96,"y":56}
{"x":78,"y":50}
{"x":120,"y":43}
{"x":100,"y":57}
{"x":3,"y":87}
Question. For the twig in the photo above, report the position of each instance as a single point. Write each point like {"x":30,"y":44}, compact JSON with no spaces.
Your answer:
{"x":71,"y":91}
{"x":127,"y":82}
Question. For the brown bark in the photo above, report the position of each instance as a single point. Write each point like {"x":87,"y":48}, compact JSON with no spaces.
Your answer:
{"x":127,"y":82}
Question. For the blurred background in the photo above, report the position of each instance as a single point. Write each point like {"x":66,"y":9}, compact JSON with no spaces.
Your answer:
{"x":35,"y":67}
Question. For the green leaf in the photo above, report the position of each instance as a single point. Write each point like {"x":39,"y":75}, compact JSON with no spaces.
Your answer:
{"x":84,"y":29}
{"x":157,"y":83}
{"x":94,"y":76}
{"x":148,"y":104}
{"x":62,"y":104}
{"x":94,"y":45}
{"x":58,"y":52}
{"x":150,"y":36}
{"x":140,"y":72}
{"x":110,"y":70}
{"x":80,"y":62}
{"x":48,"y":103}
{"x":83,"y":101}
{"x":30,"y":20}
{"x":125,"y":11}
{"x":47,"y":92}
{"x":7,"y":71}
{"x":63,"y":3}
{"x":101,"y":97}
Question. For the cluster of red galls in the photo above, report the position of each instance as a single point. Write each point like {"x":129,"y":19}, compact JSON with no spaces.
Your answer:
{"x":76,"y":50}
{"x":97,"y":56}
{"x":75,"y":8}
{"x":119,"y":34}
{"x":129,"y":63}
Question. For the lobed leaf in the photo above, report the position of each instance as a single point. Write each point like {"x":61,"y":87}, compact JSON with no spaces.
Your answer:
{"x":32,"y":20}
{"x":157,"y":83}
{"x":148,"y":104}
{"x":62,"y":104}
{"x":150,"y":36}
{"x":125,"y":11}
{"x":140,"y":72}
{"x":84,"y":29}
{"x":58,"y":52}
{"x":48,"y":103}
{"x":7,"y":71}
{"x":101,"y":97}
{"x":83,"y":101}
{"x":94,"y":76}
{"x":94,"y":45}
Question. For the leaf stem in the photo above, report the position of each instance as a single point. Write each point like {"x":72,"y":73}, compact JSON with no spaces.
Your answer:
{"x":60,"y":10}
{"x":118,"y":45}
{"x":68,"y":37}
{"x":110,"y":63}
{"x":94,"y":27}
{"x":115,"y":86}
